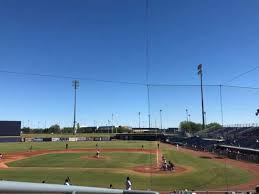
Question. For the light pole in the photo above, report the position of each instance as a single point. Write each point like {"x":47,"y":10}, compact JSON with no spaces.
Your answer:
{"x":112,"y":122}
{"x":202,"y":103}
{"x":75,"y":84}
{"x":205,"y":118}
{"x":109,"y":126}
{"x":161,"y":125}
{"x":138,"y":119}
{"x":187,"y":114}
{"x":149,"y":115}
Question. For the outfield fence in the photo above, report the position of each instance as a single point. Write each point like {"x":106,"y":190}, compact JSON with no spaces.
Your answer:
{"x":12,"y":187}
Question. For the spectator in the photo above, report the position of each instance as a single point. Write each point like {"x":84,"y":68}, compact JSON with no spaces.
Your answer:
{"x":193,"y":192}
{"x":110,"y":186}
{"x":66,"y":182}
{"x":257,"y":189}
{"x":128,"y":184}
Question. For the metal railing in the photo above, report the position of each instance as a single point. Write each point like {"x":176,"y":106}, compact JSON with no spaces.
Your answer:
{"x":25,"y":187}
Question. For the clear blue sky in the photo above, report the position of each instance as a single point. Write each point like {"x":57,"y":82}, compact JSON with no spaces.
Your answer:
{"x":105,"y":39}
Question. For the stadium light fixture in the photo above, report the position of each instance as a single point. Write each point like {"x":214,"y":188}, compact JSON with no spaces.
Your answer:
{"x":202,"y":103}
{"x":257,"y":112}
{"x":75,"y":84}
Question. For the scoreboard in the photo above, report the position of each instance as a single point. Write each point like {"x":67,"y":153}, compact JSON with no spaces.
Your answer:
{"x":10,"y":128}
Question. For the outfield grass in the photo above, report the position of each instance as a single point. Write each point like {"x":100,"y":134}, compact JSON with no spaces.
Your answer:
{"x":25,"y":146}
{"x":204,"y":174}
{"x":79,"y":160}
{"x":42,"y":135}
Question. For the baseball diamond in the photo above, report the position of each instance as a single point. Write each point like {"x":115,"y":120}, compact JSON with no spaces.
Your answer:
{"x":50,"y":161}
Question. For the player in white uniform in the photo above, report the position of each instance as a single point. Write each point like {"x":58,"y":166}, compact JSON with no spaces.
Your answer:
{"x":128,"y":184}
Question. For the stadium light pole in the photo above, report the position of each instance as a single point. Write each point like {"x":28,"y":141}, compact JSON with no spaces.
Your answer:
{"x":138,"y":119}
{"x":221,"y":105}
{"x":202,"y":103}
{"x":109,"y":126}
{"x":75,"y":84}
{"x":161,"y":124}
{"x":112,"y":122}
{"x":187,"y":114}
{"x":205,"y":118}
{"x":149,"y":115}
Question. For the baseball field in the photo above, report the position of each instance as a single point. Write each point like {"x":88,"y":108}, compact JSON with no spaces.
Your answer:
{"x":51,"y":162}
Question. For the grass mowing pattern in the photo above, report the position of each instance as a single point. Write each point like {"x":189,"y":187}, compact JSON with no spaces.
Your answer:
{"x":78,"y":160}
{"x":205,"y":174}
{"x":42,"y":135}
{"x":25,"y":146}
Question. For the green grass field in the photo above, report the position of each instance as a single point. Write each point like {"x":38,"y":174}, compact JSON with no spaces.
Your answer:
{"x":80,"y":160}
{"x":25,"y":146}
{"x":203,"y":173}
{"x":42,"y":135}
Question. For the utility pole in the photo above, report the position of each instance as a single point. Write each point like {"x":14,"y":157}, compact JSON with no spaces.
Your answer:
{"x":75,"y":84}
{"x":138,"y":119}
{"x":202,"y":103}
